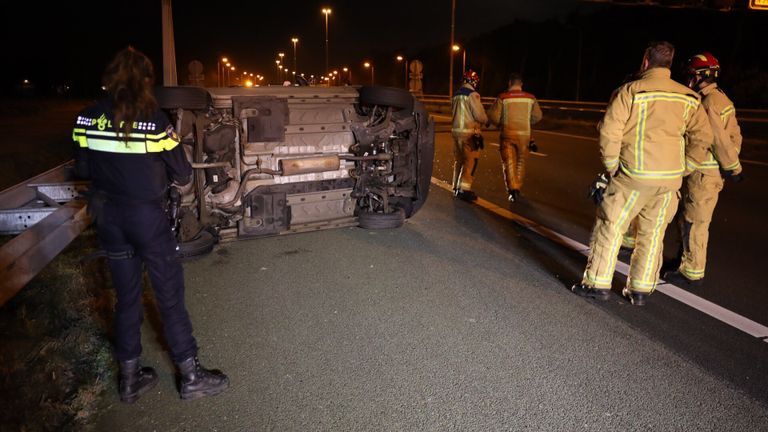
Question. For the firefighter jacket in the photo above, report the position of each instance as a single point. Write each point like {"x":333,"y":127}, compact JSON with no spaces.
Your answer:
{"x":725,"y":148}
{"x":468,"y":112}
{"x":652,"y":127}
{"x":139,"y":169}
{"x":515,"y":111}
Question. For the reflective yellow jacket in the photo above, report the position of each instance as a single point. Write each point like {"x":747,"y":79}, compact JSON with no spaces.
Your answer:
{"x":652,"y":126}
{"x":468,"y":112}
{"x":514,"y":111}
{"x":725,"y":148}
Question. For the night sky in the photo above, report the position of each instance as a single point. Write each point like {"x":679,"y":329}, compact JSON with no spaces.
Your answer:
{"x":74,"y":40}
{"x":71,"y":42}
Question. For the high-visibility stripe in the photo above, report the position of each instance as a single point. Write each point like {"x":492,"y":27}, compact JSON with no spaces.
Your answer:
{"x":692,"y":274}
{"x":666,"y":96}
{"x":653,"y":175}
{"x":611,"y":163}
{"x":733,"y":166}
{"x":618,"y":234}
{"x":640,"y":136}
{"x":648,"y":276}
{"x":132,"y":147}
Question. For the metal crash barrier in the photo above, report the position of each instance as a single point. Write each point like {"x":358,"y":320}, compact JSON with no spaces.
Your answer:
{"x":45,"y":213}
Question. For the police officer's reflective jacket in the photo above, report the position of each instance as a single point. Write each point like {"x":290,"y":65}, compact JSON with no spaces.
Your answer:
{"x":651,"y":127}
{"x":724,"y":152}
{"x":468,"y":112}
{"x":515,"y":111}
{"x":137,"y":169}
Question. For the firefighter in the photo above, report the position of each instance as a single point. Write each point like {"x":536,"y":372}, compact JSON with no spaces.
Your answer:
{"x":130,"y":151}
{"x":514,"y":111}
{"x":644,"y":150}
{"x":704,"y":184}
{"x":468,"y":118}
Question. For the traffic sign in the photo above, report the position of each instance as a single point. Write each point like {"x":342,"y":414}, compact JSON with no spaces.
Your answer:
{"x":758,"y":4}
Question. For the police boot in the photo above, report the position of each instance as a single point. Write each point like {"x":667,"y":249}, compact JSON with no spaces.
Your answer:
{"x":135,"y":380}
{"x":197,"y":381}
{"x":513,"y":195}
{"x":467,"y":196}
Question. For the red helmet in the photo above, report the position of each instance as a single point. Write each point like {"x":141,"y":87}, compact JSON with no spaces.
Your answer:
{"x":471,"y":77}
{"x":705,"y":65}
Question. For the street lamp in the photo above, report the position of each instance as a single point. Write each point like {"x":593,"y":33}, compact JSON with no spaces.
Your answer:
{"x":295,"y":41}
{"x":220,"y":71}
{"x":348,"y":71}
{"x":369,"y":65}
{"x":456,"y":48}
{"x":232,"y":68}
{"x":405,"y":63}
{"x":326,"y":12}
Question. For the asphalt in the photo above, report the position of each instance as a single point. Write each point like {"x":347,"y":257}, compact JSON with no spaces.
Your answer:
{"x":460,"y":320}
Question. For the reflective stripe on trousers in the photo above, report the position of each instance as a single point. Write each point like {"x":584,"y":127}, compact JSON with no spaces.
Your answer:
{"x":624,"y":201}
{"x":700,"y":200}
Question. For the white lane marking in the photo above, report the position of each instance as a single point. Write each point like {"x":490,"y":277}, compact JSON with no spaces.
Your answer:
{"x":715,"y":311}
{"x":564,"y":134}
{"x":751,"y":162}
{"x":744,"y":161}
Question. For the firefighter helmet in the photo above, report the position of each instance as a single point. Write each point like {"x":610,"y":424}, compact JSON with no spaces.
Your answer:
{"x":472,"y":78}
{"x":704,"y":65}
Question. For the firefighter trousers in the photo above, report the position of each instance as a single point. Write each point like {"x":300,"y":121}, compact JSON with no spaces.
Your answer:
{"x":700,"y":199}
{"x":465,"y":162}
{"x":514,"y":155}
{"x":132,"y":235}
{"x":654,"y":208}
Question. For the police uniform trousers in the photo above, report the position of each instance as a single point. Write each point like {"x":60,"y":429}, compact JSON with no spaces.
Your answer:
{"x":133,"y":234}
{"x":465,"y":162}
{"x":700,"y":199}
{"x":624,"y":200}
{"x":514,"y":155}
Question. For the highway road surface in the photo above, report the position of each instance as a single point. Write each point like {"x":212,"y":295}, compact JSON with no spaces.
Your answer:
{"x":459,"y":321}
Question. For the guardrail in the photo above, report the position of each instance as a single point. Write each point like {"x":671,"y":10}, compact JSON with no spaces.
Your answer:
{"x":46,"y":213}
{"x":589,"y":108}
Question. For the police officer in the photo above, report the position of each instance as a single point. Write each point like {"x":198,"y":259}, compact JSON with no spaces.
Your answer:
{"x":514,"y":111}
{"x":644,"y":150}
{"x":130,"y":151}
{"x":468,"y":119}
{"x":704,"y":184}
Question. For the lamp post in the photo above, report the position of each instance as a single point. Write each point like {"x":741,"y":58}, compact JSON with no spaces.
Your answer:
{"x":456,"y":48}
{"x":326,"y":12}
{"x":369,"y":65}
{"x":405,"y":76}
{"x":348,"y":71}
{"x":277,"y":62}
{"x":232,"y":68}
{"x":295,"y":40}
{"x":220,"y":71}
{"x":450,"y":73}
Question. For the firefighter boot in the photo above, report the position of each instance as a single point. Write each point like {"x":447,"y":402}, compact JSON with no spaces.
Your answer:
{"x":135,"y":380}
{"x":678,"y":278}
{"x":589,"y":292}
{"x":197,"y":381}
{"x":635,"y":297}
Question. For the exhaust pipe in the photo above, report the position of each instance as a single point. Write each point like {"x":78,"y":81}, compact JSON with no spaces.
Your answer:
{"x":309,"y":165}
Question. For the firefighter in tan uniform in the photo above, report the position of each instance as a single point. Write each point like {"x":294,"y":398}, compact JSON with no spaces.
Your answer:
{"x":704,"y":184}
{"x":514,"y":111}
{"x":468,"y":118}
{"x":649,"y":130}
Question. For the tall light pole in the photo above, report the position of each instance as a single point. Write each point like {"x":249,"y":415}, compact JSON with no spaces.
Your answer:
{"x":369,"y":65}
{"x":279,"y":69}
{"x":295,"y":41}
{"x":225,"y":77}
{"x":220,"y":71}
{"x":450,"y":73}
{"x":326,"y":12}
{"x":348,"y":71}
{"x":229,"y":76}
{"x":405,"y":76}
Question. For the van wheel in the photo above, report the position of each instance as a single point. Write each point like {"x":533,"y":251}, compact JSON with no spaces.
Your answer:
{"x":200,"y":245}
{"x":371,"y":220}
